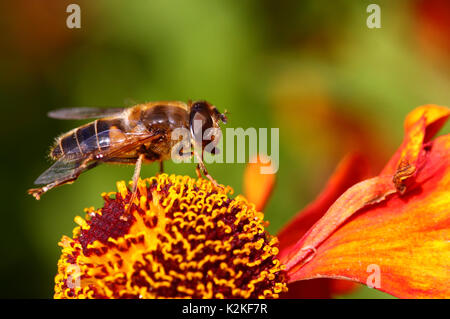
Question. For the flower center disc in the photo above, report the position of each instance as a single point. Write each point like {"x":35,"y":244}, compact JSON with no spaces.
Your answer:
{"x":181,"y":238}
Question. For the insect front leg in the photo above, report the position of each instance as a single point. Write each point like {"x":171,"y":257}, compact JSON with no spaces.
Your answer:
{"x":202,"y":168}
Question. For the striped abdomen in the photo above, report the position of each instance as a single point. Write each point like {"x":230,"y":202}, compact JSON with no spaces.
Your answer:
{"x":91,"y":138}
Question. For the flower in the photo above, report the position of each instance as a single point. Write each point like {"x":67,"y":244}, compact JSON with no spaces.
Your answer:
{"x":185,"y":238}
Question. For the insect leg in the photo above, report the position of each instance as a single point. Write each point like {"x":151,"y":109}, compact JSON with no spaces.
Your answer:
{"x":38,"y":192}
{"x":201,"y":166}
{"x":137,"y":172}
{"x":161,"y":167}
{"x":85,"y":165}
{"x":198,"y":171}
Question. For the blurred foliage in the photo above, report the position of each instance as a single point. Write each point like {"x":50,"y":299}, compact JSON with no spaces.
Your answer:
{"x":311,"y":68}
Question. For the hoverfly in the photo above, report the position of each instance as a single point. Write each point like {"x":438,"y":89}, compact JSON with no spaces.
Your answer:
{"x":134,"y":135}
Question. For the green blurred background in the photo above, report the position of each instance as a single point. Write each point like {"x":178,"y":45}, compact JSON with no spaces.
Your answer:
{"x":311,"y":68}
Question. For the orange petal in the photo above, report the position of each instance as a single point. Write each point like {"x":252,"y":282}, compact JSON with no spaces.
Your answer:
{"x":365,"y":193}
{"x":257,"y":185}
{"x":422,"y":171}
{"x":407,"y":237}
{"x":352,"y":169}
{"x":419,"y":125}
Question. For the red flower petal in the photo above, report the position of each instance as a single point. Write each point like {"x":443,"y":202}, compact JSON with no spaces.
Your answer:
{"x":352,"y":169}
{"x":405,"y":235}
{"x":365,"y":193}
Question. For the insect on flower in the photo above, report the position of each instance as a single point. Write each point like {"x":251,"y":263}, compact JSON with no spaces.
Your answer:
{"x":184,"y":238}
{"x":142,"y":133}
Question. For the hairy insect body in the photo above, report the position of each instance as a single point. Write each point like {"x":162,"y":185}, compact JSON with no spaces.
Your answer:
{"x":162,"y":120}
{"x":127,"y":136}
{"x":101,"y":135}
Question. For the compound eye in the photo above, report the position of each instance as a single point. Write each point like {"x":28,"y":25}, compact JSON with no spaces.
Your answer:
{"x":200,"y":121}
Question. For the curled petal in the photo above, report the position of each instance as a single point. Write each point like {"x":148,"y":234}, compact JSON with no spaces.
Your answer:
{"x":420,"y":126}
{"x":400,"y":246}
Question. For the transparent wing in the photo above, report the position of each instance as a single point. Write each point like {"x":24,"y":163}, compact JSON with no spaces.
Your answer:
{"x":81,"y":113}
{"x":62,"y":169}
{"x":67,"y":168}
